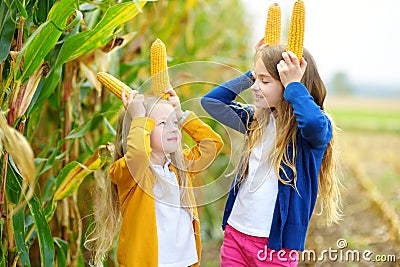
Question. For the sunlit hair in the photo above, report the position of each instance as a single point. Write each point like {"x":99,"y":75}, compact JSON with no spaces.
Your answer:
{"x":107,"y":213}
{"x":329,"y":185}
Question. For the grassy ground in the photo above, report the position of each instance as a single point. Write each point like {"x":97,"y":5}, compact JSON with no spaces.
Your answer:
{"x":368,"y":147}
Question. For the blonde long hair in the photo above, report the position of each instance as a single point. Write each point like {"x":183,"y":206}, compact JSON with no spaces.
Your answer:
{"x":107,"y":213}
{"x":329,"y":185}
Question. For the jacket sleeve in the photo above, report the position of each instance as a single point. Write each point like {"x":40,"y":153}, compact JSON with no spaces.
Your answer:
{"x":138,"y":149}
{"x":208,"y":144}
{"x":314,"y":124}
{"x":219,"y":103}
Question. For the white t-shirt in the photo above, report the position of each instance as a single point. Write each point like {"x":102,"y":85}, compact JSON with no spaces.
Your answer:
{"x":176,"y":241}
{"x":254,"y":206}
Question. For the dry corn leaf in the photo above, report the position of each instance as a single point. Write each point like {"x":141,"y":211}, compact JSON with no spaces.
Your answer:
{"x":20,"y":150}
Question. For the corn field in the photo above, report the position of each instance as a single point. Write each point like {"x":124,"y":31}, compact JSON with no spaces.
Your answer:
{"x":58,"y":123}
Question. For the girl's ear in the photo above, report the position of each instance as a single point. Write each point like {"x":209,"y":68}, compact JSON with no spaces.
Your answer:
{"x":303,"y":65}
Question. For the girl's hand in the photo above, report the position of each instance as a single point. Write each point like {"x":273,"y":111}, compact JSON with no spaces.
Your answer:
{"x":175,"y":102}
{"x":260,"y":45}
{"x":134,"y":104}
{"x":290,"y":69}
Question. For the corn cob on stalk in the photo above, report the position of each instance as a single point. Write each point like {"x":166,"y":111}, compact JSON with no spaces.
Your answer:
{"x":273,"y":25}
{"x":296,"y":31}
{"x":159,"y":72}
{"x":113,"y":84}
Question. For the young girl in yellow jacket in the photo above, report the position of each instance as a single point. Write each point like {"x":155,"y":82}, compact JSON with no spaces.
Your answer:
{"x":152,"y":189}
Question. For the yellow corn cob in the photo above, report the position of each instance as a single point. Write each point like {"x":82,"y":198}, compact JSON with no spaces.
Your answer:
{"x":113,"y":84}
{"x":159,"y":72}
{"x":296,"y":31}
{"x":273,"y":25}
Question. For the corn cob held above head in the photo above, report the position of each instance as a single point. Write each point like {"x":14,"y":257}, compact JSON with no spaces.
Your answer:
{"x":296,"y":31}
{"x":159,"y":72}
{"x":113,"y":84}
{"x":159,"y":69}
{"x":273,"y":25}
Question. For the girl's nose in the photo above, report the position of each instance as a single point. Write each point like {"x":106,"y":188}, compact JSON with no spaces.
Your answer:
{"x":255,"y":87}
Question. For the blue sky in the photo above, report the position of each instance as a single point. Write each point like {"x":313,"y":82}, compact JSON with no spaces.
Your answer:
{"x":361,"y":38}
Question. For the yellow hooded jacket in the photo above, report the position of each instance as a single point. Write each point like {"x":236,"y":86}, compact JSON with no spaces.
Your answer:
{"x":137,"y":243}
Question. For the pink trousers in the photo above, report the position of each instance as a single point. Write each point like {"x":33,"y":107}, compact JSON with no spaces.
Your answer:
{"x":241,"y":250}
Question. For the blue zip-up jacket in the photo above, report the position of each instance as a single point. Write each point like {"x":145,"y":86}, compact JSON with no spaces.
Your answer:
{"x":294,"y":206}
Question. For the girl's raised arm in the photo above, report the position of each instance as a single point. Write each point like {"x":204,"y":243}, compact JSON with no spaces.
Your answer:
{"x":313,"y":123}
{"x":137,"y":156}
{"x":208,"y":143}
{"x":219,"y":103}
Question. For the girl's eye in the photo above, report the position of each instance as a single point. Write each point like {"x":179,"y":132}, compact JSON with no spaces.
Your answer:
{"x":161,"y":123}
{"x":175,"y":122}
{"x":262,"y":81}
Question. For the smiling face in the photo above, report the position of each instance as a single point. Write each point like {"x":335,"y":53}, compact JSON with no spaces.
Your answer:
{"x":165,"y":137}
{"x":268,"y":92}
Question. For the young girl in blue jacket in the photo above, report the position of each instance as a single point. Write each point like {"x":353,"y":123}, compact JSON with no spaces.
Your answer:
{"x":287,"y":162}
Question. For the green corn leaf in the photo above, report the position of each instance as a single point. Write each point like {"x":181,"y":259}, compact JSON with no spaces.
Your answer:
{"x":43,"y":233}
{"x":87,"y":41}
{"x":21,"y":9}
{"x":109,"y":127}
{"x":81,"y":131}
{"x":13,"y":185}
{"x":99,"y":36}
{"x":19,"y":233}
{"x":62,"y":251}
{"x":78,"y":133}
{"x":72,"y":175}
{"x":7,"y":27}
{"x":43,"y":40}
{"x":45,"y":238}
{"x":46,"y":89}
{"x":2,"y":256}
{"x":48,"y":189}
{"x":90,"y":124}
{"x":42,"y":8}
{"x":65,"y":177}
{"x":50,"y":209}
